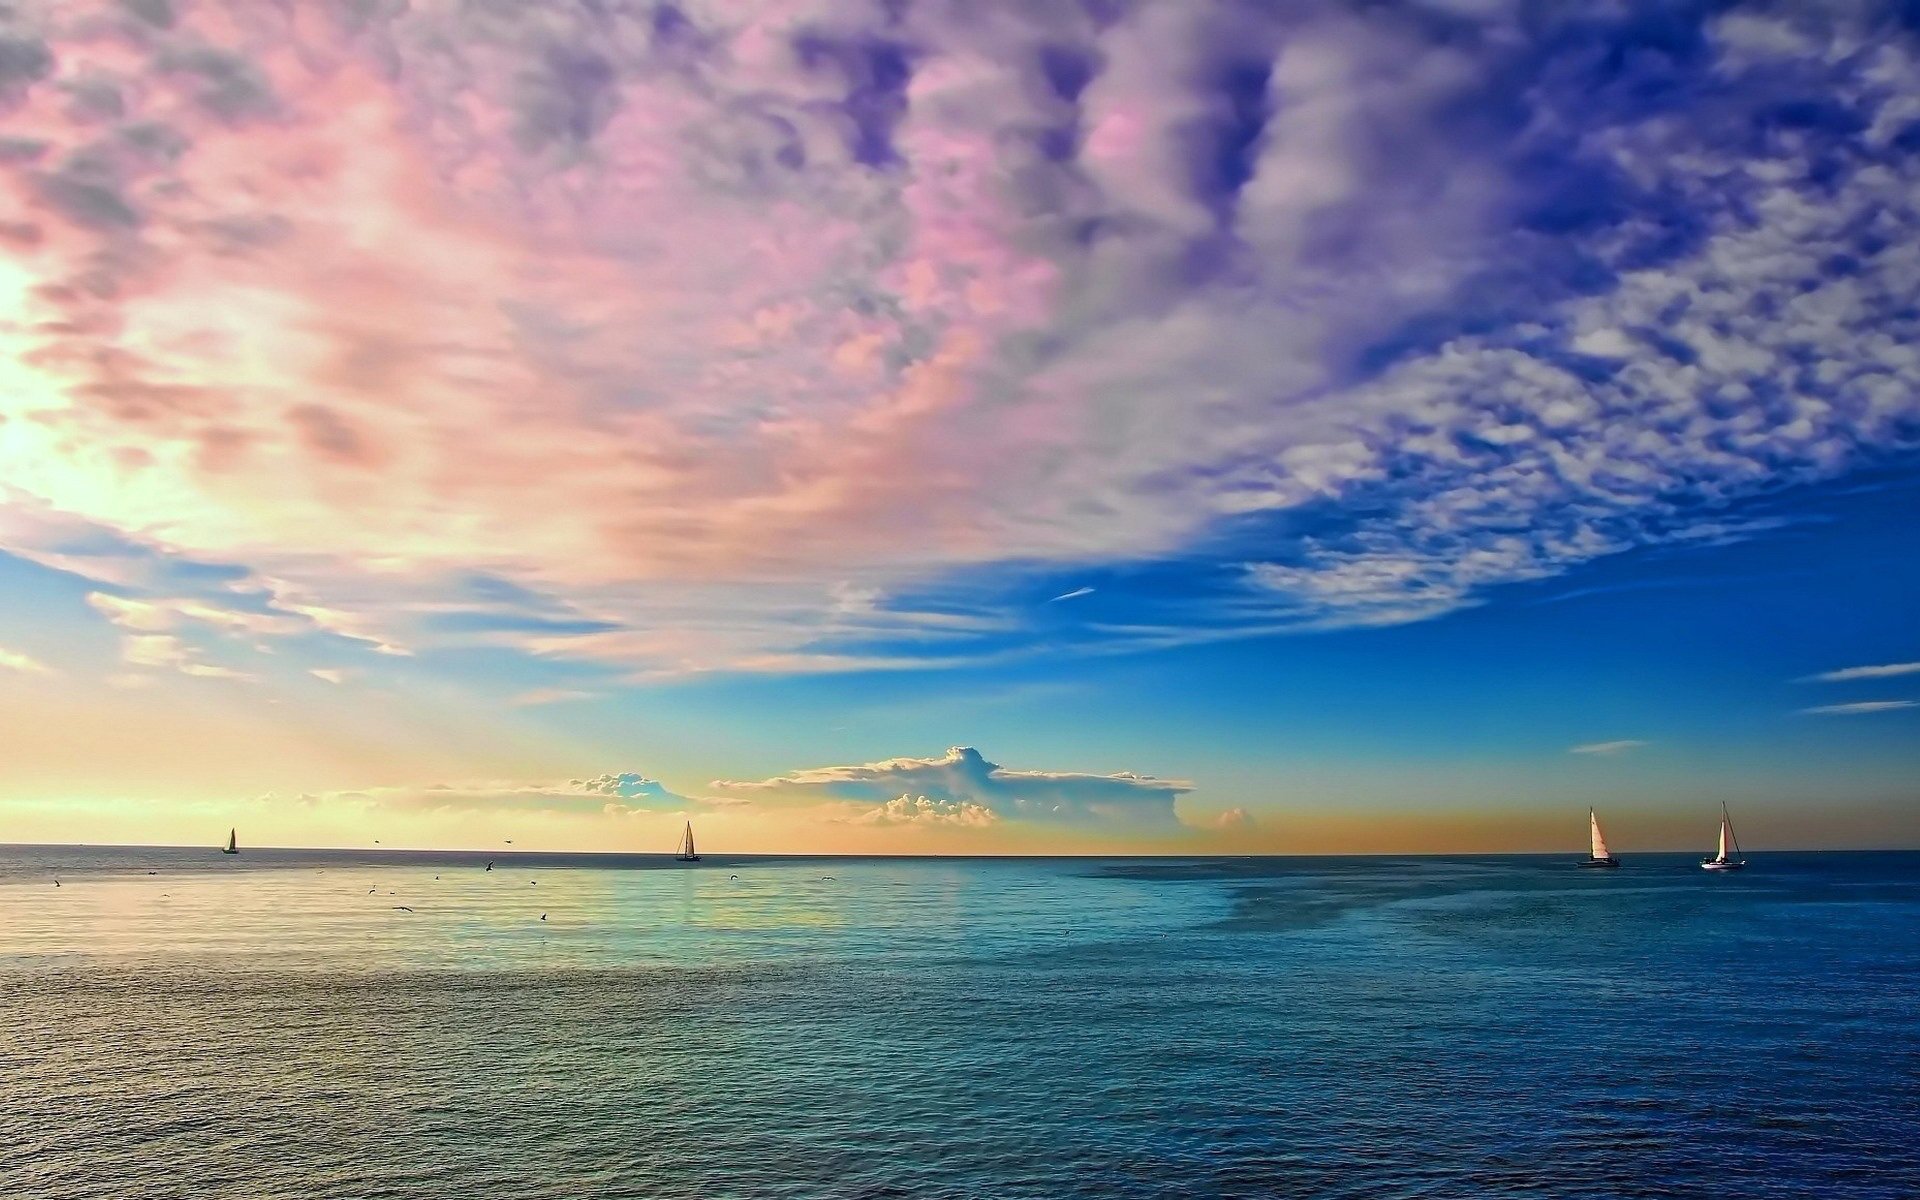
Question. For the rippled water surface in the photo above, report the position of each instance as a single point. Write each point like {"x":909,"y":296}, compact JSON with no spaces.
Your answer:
{"x":177,"y":1023}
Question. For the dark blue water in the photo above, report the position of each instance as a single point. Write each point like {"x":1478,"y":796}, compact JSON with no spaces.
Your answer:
{"x":275,"y":1025}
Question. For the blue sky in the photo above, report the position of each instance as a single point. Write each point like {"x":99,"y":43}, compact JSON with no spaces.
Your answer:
{"x":1253,"y":428}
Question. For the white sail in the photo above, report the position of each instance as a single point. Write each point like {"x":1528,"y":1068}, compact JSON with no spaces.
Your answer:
{"x":1599,"y":842}
{"x":1726,"y":831}
{"x":686,"y":843}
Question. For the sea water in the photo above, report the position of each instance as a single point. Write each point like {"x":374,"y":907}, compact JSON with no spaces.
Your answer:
{"x":276,"y":1024}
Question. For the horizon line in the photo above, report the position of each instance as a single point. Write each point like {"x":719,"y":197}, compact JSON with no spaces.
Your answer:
{"x":1573,"y":853}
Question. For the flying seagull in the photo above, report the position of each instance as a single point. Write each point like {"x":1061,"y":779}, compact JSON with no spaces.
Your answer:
{"x":543,"y":916}
{"x":401,"y":908}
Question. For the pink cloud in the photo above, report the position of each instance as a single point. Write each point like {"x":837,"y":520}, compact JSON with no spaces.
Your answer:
{"x":682,"y":332}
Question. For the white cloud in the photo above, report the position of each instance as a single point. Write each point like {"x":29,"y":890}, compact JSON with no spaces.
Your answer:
{"x":167,"y":651}
{"x":1863,"y":706}
{"x":1616,"y":747}
{"x":963,"y":777}
{"x":631,"y":786}
{"x":23,"y":663}
{"x":1075,"y":594}
{"x":330,"y":674}
{"x":159,"y":614}
{"x":927,"y":811}
{"x":1884,"y":671}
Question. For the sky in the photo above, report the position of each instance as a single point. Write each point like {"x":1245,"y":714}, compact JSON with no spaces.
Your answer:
{"x":921,"y":427}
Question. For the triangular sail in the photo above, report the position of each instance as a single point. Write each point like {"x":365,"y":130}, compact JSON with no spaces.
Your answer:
{"x":233,"y":839}
{"x":1599,"y":842}
{"x":1726,"y":834}
{"x":686,"y":842}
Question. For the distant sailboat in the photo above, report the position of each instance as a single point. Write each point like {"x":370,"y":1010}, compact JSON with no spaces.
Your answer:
{"x":1599,"y":856}
{"x":687,"y":852}
{"x":233,"y":842}
{"x":1729,"y":858}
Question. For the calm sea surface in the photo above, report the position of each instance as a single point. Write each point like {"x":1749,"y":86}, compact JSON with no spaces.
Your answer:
{"x":176,"y":1023}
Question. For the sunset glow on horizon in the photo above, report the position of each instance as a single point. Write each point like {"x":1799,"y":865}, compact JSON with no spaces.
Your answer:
{"x":958,"y":428}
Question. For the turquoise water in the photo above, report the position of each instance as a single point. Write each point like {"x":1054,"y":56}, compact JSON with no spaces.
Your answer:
{"x":273,"y":1025}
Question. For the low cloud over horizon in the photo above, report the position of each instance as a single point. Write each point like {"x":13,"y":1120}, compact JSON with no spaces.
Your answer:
{"x":962,"y":787}
{"x":959,"y":790}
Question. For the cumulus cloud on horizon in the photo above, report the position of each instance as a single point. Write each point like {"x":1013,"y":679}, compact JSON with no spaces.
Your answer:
{"x":963,"y":787}
{"x":678,"y":333}
{"x":960,"y":790}
{"x":926,"y":811}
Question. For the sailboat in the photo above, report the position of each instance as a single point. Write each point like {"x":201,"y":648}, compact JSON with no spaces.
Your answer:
{"x":1599,"y":856}
{"x":687,"y":852}
{"x":1725,"y":860}
{"x":233,"y":842}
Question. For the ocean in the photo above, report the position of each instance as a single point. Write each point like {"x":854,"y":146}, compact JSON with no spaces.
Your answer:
{"x":175,"y":1023}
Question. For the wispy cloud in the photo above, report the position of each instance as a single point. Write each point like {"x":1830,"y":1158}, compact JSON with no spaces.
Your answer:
{"x":169,"y":652}
{"x":25,"y":664}
{"x":610,"y":795}
{"x":1075,"y":594}
{"x":1883,"y":671}
{"x":540,"y":696}
{"x":1615,"y":747}
{"x":1858,"y":707}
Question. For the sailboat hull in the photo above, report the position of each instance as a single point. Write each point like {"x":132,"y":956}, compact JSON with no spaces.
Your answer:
{"x":1729,"y":865}
{"x":686,"y":858}
{"x":1608,"y":864}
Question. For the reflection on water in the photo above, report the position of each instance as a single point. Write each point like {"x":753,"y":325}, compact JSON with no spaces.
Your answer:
{"x":274,"y":1026}
{"x":314,"y":911}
